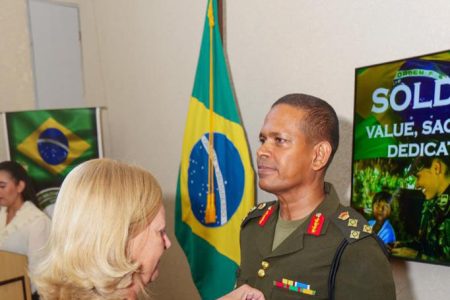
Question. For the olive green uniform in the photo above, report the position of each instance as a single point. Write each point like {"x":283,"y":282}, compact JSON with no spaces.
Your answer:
{"x":306,"y":256}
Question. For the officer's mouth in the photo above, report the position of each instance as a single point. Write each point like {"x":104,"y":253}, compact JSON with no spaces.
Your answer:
{"x":265,"y":170}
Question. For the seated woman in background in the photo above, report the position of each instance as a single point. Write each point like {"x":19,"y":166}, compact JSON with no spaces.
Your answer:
{"x":24,"y":229}
{"x":107,"y":236}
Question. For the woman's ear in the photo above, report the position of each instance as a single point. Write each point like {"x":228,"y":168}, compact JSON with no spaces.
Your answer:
{"x":21,"y":186}
{"x":322,"y":153}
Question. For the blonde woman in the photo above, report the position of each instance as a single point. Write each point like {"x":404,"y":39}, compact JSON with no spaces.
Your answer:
{"x":108,"y":234}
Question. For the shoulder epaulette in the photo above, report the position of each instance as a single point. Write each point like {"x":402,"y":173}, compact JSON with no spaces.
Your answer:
{"x":352,"y":225}
{"x":257,"y":211}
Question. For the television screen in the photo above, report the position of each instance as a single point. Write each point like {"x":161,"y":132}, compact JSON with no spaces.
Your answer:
{"x":401,"y":155}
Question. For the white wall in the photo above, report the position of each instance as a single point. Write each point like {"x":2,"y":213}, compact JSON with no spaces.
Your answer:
{"x":16,"y":81}
{"x":140,"y":58}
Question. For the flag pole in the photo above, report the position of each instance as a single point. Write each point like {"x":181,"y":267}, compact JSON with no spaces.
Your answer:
{"x":99,"y":131}
{"x":210,"y":211}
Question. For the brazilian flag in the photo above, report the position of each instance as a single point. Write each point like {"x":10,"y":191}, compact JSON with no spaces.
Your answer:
{"x":50,"y":143}
{"x":216,"y":180}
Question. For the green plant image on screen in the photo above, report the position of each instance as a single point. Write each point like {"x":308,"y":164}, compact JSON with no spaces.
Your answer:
{"x":401,"y":155}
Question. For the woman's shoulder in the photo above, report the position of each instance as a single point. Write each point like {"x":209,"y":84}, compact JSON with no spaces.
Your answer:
{"x":30,"y":212}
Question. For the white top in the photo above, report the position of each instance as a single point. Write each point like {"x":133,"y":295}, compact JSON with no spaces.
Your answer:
{"x":27,"y":232}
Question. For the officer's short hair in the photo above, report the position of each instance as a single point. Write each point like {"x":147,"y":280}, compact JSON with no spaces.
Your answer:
{"x":320,"y":121}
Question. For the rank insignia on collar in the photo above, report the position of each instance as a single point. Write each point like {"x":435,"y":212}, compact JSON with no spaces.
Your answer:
{"x":263,"y":220}
{"x":352,"y":222}
{"x":367,"y":228}
{"x":354,"y":234}
{"x":315,"y":225}
{"x":262,"y":205}
{"x":344,"y":215}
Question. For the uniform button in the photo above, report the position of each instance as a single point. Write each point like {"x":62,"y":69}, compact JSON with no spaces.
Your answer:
{"x":261,"y":273}
{"x":265,"y":265}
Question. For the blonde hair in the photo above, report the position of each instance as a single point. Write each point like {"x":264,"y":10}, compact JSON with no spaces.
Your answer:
{"x":102,"y":204}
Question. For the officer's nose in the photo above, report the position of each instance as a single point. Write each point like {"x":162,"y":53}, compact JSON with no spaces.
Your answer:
{"x":263,"y":150}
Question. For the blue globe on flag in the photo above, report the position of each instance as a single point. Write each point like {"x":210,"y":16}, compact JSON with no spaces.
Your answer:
{"x":53,"y":146}
{"x":228,"y":179}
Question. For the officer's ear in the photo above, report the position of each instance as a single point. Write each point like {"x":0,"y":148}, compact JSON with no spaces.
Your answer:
{"x":322,"y":153}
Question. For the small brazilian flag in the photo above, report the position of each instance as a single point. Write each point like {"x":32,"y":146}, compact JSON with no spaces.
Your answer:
{"x":216,"y":180}
{"x":50,"y":143}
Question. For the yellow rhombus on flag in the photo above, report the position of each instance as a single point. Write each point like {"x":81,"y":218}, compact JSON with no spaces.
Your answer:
{"x":75,"y":149}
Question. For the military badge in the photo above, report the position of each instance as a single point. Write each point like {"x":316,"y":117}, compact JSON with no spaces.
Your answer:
{"x":295,"y":286}
{"x":354,"y":234}
{"x":352,"y":222}
{"x":367,"y":228}
{"x":263,"y":220}
{"x":262,"y":205}
{"x":344,"y":215}
{"x":315,"y":225}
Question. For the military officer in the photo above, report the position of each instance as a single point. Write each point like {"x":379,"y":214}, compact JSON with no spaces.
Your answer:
{"x":306,"y":245}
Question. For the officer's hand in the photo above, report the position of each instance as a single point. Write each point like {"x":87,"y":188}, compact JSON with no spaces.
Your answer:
{"x":244,"y":292}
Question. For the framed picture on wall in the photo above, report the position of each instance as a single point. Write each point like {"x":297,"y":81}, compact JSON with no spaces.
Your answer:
{"x":401,"y":155}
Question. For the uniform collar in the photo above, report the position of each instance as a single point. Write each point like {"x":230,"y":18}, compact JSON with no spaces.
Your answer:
{"x":331,"y":202}
{"x":294,"y":242}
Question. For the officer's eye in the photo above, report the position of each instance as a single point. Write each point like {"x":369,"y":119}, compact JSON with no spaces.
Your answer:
{"x":262,"y":139}
{"x":280,"y":140}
